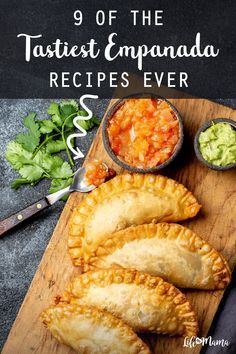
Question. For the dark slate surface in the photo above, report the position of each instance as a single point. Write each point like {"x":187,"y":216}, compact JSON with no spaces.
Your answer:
{"x":21,"y":250}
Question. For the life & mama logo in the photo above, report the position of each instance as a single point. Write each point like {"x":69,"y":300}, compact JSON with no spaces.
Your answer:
{"x":191,"y":342}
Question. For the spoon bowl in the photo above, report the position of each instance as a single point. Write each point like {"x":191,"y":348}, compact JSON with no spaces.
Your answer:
{"x":79,"y":184}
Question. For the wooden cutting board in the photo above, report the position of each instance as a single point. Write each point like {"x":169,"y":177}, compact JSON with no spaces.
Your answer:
{"x":215,"y":222}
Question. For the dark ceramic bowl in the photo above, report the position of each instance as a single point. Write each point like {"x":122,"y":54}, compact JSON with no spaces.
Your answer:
{"x":197,"y":147}
{"x":123,"y":164}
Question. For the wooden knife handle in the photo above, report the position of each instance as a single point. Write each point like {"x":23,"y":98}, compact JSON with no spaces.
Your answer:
{"x":24,"y":214}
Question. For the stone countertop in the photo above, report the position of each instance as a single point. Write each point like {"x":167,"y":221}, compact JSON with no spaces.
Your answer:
{"x":22,"y":249}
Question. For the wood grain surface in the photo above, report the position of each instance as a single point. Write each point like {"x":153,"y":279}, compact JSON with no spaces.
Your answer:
{"x":215,"y":223}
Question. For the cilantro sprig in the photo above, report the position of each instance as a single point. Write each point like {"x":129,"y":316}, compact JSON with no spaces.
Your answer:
{"x":34,"y":154}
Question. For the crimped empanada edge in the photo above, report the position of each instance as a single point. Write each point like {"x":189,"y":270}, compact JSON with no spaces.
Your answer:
{"x":182,"y":235}
{"x":96,"y":316}
{"x":116,"y":184}
{"x":131,"y":276}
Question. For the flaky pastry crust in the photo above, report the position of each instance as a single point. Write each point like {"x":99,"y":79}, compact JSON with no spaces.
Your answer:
{"x":144,"y":302}
{"x":170,"y":251}
{"x":89,"y":330}
{"x":127,"y":200}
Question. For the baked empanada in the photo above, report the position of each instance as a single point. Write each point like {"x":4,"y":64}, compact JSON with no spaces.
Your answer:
{"x":127,"y":200}
{"x":144,"y":302}
{"x":170,"y":251}
{"x":89,"y":330}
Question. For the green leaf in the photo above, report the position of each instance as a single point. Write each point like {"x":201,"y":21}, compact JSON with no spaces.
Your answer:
{"x":17,"y":155}
{"x":68,"y":110}
{"x":53,"y":109}
{"x":56,"y":167}
{"x":19,"y":182}
{"x":55,"y":146}
{"x":72,"y":103}
{"x":82,"y":113}
{"x":95,"y":120}
{"x":58,"y":184}
{"x":63,"y":171}
{"x":50,"y":163}
{"x":47,"y":126}
{"x":84,"y":124}
{"x":30,"y":140}
{"x":57,"y":120}
{"x":88,"y":124}
{"x":31,"y":173}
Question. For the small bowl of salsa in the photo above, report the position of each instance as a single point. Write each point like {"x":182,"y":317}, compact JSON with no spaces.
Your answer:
{"x":143,"y":133}
{"x":215,"y":144}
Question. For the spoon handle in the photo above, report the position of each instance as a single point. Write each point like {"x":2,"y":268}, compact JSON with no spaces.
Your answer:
{"x":22,"y":215}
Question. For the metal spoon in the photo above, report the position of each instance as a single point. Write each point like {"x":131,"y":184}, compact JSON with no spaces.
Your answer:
{"x":78,"y":185}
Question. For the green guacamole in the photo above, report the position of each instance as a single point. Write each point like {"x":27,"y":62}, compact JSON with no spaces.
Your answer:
{"x":218,"y":144}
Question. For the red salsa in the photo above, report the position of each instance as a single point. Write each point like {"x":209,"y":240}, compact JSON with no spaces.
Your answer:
{"x":97,"y":172}
{"x":143,"y":132}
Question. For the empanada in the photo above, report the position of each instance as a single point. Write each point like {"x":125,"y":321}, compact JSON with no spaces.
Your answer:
{"x":127,"y":200}
{"x":170,"y":251}
{"x":89,"y":330}
{"x":144,"y":302}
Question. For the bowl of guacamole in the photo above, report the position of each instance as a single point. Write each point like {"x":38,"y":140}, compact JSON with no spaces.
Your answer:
{"x":215,"y":144}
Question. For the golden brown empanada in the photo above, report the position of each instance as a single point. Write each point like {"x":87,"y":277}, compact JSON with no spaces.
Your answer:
{"x":144,"y":302}
{"x":89,"y":330}
{"x":170,"y":251}
{"x":127,"y":200}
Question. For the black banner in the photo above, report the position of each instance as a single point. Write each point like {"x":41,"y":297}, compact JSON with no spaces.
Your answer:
{"x":188,"y":46}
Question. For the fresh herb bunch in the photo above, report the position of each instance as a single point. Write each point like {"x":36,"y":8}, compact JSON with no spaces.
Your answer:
{"x":34,"y":154}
